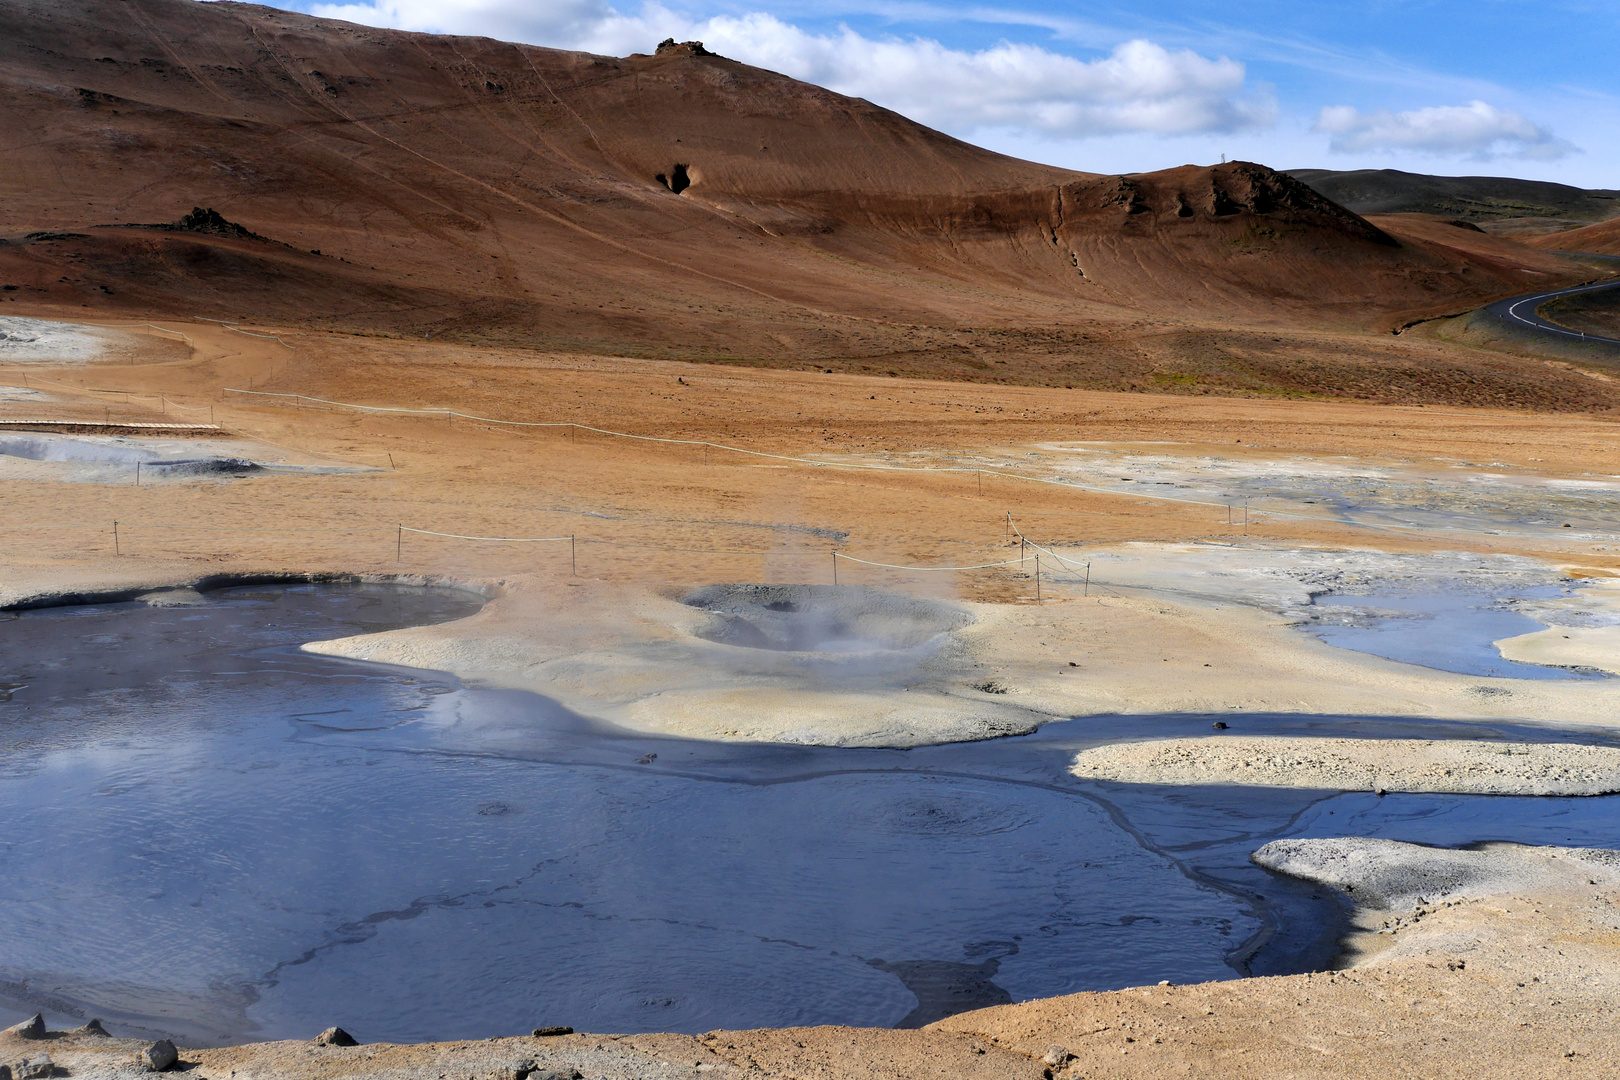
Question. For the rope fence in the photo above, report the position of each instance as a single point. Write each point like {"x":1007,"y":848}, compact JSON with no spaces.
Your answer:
{"x":248,"y":333}
{"x":1231,"y":506}
{"x":121,"y":530}
{"x":1227,"y":504}
{"x":146,"y":326}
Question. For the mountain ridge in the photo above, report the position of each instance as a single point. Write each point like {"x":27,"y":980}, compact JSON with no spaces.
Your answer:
{"x":488,"y":191}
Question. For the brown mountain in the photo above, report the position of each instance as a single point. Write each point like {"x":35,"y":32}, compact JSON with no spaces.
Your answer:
{"x":675,"y":204}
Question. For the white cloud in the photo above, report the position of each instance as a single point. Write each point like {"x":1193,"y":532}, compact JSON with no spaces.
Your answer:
{"x":1475,"y":130}
{"x":1139,"y":87}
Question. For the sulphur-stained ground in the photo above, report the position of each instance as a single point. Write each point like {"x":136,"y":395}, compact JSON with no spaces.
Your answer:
{"x":603,"y":606}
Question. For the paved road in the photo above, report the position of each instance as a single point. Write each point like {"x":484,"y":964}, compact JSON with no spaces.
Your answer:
{"x":1519,"y":312}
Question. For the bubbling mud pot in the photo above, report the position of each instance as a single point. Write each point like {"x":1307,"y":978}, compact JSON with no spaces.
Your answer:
{"x":218,"y":836}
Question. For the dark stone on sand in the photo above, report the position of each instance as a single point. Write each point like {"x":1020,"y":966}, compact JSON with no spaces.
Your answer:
{"x":335,"y":1036}
{"x":1219,"y":725}
{"x":160,"y":1056}
{"x":32,"y":1028}
{"x":547,"y":1032}
{"x":529,"y":1069}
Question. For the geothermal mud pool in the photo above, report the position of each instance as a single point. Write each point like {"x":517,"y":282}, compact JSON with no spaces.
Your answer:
{"x":1450,"y":630}
{"x":93,"y":459}
{"x":216,"y":835}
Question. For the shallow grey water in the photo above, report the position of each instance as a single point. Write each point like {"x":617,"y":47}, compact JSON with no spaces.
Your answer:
{"x":1448,"y":629}
{"x":213,"y":834}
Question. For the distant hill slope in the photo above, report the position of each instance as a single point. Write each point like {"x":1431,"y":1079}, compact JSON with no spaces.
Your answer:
{"x":1480,"y":199}
{"x":1602,"y":239}
{"x":677,"y":204}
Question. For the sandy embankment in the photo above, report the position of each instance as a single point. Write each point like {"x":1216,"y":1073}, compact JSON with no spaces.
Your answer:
{"x":1497,"y":962}
{"x":1200,"y":630}
{"x":1583,"y":641}
{"x":1462,"y":766}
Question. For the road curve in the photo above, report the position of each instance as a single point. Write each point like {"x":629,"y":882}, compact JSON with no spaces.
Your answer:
{"x":1522,"y":312}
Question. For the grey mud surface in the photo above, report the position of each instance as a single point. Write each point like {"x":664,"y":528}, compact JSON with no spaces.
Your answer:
{"x":1384,"y":875}
{"x":24,"y":340}
{"x":112,"y":459}
{"x":1458,"y":766}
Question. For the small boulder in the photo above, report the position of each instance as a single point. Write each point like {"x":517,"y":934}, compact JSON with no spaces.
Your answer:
{"x":529,"y":1069}
{"x":93,"y":1028}
{"x":1057,"y":1056}
{"x":34,"y":1068}
{"x":32,"y":1028}
{"x":335,"y":1036}
{"x":160,"y":1056}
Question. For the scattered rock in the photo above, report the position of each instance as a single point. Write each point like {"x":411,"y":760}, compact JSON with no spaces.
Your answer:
{"x":32,"y":1028}
{"x":160,"y":1056}
{"x":682,"y":48}
{"x":529,"y":1069}
{"x":548,"y":1032}
{"x":335,"y":1036}
{"x":1057,"y":1056}
{"x":34,"y":1068}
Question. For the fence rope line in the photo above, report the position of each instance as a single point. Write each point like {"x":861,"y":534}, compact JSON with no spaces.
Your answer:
{"x":616,"y":434}
{"x":126,"y":393}
{"x":706,"y":551}
{"x":233,"y":529}
{"x":897,"y":566}
{"x":400,"y":529}
{"x":1057,"y":481}
{"x":239,"y":330}
{"x":501,"y":539}
{"x":1091,"y":582}
{"x":125,"y":324}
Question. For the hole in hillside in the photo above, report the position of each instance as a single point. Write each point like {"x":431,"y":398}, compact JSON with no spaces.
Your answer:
{"x":678,"y":180}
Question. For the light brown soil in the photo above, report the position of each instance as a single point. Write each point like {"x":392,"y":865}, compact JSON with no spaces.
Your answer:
{"x":1602,"y":238}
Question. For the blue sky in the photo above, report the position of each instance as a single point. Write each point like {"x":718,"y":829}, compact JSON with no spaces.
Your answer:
{"x":1494,"y":87}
